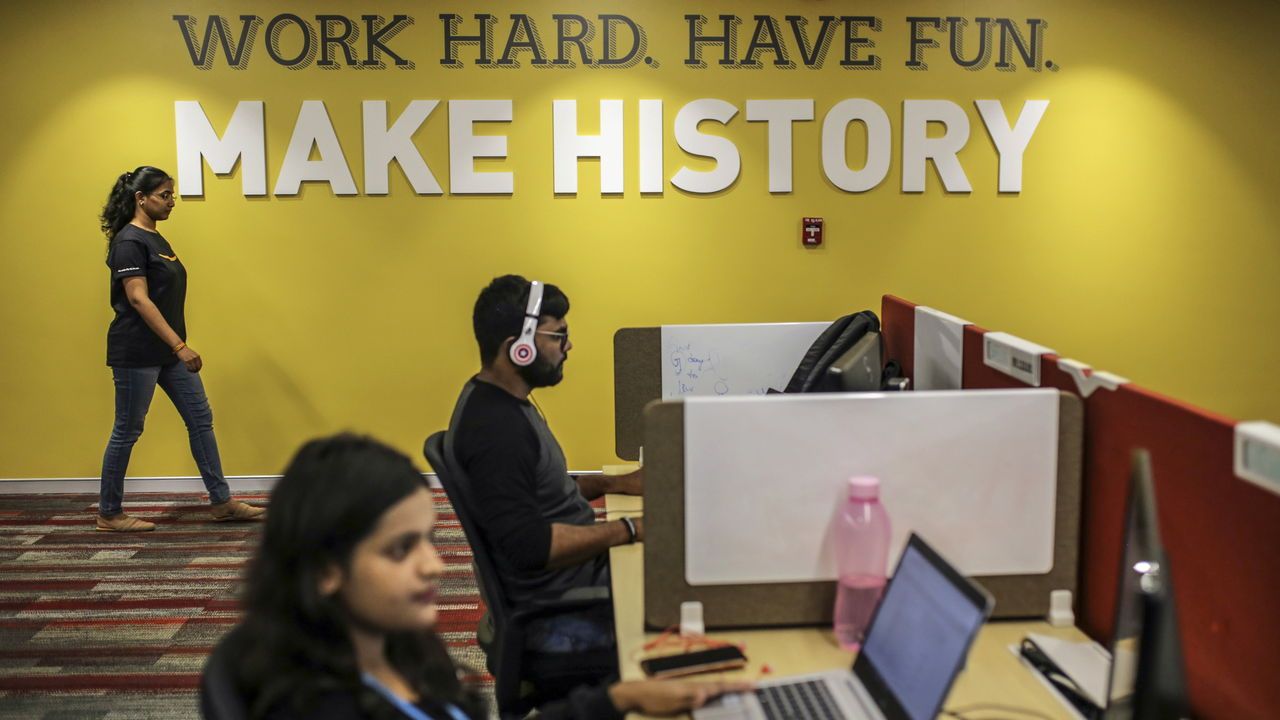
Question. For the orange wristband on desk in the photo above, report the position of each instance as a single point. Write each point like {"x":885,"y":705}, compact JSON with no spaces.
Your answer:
{"x":670,"y":639}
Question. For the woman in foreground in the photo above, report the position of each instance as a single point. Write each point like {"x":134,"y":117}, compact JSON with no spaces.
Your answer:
{"x":342,"y":601}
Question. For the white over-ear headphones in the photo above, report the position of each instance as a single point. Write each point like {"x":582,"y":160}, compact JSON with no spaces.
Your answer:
{"x":523,"y":351}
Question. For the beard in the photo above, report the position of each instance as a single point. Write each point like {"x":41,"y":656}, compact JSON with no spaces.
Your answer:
{"x":542,"y":373}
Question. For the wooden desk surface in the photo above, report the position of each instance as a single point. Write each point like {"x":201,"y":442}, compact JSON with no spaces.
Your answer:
{"x":993,"y":675}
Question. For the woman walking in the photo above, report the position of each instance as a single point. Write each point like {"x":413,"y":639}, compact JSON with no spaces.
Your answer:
{"x":146,"y":346}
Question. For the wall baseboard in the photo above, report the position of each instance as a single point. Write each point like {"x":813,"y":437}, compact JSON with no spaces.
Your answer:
{"x":169,"y":484}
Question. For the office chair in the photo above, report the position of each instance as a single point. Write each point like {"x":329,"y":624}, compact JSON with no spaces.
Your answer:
{"x":220,"y":698}
{"x":522,"y":678}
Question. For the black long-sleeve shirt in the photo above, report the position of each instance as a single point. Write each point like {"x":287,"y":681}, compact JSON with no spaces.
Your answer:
{"x":520,"y":486}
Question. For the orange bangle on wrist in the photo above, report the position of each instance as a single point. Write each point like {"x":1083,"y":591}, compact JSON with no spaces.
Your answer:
{"x":178,"y":347}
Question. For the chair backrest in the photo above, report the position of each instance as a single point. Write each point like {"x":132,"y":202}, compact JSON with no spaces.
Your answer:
{"x":455,"y":483}
{"x":220,"y":698}
{"x":519,"y":682}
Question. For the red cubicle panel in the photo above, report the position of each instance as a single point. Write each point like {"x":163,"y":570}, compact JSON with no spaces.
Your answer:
{"x":898,"y":332}
{"x":1221,"y":533}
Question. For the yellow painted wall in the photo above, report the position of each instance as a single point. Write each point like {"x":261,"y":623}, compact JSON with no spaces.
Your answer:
{"x":1144,"y":241}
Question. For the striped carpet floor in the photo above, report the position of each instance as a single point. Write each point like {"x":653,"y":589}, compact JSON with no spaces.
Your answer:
{"x":105,"y":625}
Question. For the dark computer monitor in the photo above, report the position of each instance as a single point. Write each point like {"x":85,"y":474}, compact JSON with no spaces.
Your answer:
{"x":859,"y":368}
{"x":1147,"y":679}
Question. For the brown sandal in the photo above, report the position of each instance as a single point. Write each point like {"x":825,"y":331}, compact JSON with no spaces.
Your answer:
{"x":124,"y":523}
{"x":236,"y":510}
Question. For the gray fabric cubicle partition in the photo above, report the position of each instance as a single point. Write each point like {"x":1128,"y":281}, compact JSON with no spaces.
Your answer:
{"x":637,"y":380}
{"x":810,"y":603}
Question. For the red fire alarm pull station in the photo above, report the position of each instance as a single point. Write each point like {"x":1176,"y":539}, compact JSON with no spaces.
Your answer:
{"x":811,"y":232}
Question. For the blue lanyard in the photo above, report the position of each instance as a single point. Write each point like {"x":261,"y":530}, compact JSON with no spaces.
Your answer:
{"x":409,"y":709}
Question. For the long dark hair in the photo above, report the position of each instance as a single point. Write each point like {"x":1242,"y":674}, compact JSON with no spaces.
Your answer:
{"x":298,"y":650}
{"x":121,"y":204}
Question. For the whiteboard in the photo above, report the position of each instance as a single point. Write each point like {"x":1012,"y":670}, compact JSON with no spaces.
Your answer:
{"x":974,"y":472}
{"x":733,"y":359}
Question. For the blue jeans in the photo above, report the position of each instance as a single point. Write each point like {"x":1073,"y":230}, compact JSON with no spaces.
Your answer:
{"x":576,"y":631}
{"x":572,"y":632}
{"x":134,"y":388}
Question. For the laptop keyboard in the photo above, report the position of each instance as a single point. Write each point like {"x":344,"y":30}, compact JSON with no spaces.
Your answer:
{"x":807,"y":700}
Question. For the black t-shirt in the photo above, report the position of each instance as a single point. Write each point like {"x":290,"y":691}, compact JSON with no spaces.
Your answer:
{"x":135,"y":252}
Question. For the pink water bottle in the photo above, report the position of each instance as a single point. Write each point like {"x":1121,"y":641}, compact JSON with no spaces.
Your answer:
{"x":862,"y":554}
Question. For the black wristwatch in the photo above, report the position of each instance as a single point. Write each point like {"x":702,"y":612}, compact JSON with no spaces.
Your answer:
{"x":630,"y":525}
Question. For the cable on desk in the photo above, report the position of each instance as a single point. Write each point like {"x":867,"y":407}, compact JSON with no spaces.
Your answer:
{"x":963,"y":712}
{"x":1061,"y":683}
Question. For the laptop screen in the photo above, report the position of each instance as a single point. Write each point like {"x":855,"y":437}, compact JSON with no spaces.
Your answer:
{"x":921,"y":632}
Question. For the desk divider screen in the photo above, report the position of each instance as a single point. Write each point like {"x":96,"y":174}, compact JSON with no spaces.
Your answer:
{"x":699,"y":360}
{"x":1219,"y":531}
{"x":637,"y":381}
{"x":974,"y":473}
{"x":810,"y":602}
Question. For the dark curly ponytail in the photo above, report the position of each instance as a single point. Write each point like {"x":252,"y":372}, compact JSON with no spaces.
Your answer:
{"x":121,"y":205}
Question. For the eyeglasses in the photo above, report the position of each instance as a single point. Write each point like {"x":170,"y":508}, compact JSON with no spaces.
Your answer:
{"x":166,"y":196}
{"x":564,"y":336}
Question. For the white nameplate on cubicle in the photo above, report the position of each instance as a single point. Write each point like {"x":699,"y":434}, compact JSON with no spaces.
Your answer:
{"x":1257,"y":454}
{"x":974,"y":472}
{"x":1014,"y":356}
{"x":732,"y":359}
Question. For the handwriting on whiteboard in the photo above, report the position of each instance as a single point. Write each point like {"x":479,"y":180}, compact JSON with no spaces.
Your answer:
{"x":697,"y":368}
{"x":732,"y":359}
{"x":702,"y":372}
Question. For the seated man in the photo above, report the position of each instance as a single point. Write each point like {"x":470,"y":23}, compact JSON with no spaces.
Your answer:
{"x":535,"y":516}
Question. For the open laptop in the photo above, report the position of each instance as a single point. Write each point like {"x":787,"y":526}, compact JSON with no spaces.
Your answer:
{"x":915,"y":646}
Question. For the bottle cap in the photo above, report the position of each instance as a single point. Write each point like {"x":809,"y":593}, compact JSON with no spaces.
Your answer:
{"x":864,"y":487}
